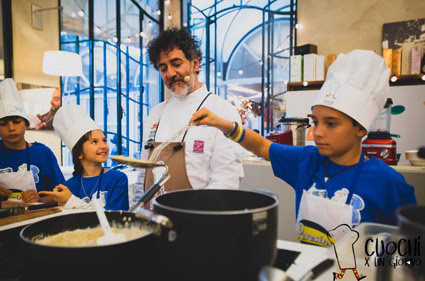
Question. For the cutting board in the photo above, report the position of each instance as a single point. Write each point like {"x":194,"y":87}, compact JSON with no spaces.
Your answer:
{"x":27,"y":215}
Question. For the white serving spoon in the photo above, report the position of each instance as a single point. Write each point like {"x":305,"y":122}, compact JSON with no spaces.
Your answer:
{"x":109,"y":237}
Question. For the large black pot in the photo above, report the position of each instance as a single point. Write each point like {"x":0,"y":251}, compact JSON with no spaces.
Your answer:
{"x":112,"y":262}
{"x":197,"y":235}
{"x":219,"y":234}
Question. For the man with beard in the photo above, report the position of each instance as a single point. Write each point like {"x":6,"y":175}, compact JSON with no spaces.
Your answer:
{"x":47,"y":118}
{"x":202,"y":157}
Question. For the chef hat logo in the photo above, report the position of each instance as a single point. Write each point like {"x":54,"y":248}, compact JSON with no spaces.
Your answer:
{"x":330,"y":96}
{"x":357,"y":84}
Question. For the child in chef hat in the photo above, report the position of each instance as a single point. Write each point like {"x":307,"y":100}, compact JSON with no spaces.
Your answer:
{"x":90,"y":150}
{"x":24,"y":166}
{"x":334,"y":182}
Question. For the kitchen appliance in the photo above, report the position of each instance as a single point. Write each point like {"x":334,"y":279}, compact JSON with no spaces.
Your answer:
{"x":379,"y":143}
{"x":293,"y":131}
{"x":298,"y":126}
{"x":196,"y":235}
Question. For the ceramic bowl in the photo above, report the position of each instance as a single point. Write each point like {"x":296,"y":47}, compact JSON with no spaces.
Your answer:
{"x":412,"y":156}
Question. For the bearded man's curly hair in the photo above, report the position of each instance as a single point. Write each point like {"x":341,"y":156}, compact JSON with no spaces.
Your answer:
{"x":174,"y":38}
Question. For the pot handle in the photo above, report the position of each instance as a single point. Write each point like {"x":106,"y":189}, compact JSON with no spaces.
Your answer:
{"x":162,"y":226}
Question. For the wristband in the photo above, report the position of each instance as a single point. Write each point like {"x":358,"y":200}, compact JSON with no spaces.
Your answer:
{"x":238,"y":137}
{"x":242,"y":137}
{"x":235,"y":126}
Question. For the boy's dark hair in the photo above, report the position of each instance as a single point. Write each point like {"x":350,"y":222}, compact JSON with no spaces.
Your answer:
{"x":12,"y":118}
{"x":174,"y":38}
{"x":77,"y":150}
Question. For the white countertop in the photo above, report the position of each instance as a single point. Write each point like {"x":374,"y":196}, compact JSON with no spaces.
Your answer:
{"x":400,"y":168}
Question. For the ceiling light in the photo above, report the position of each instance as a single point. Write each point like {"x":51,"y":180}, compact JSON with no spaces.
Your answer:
{"x":81,"y":13}
{"x":394,"y":78}
{"x":170,"y":16}
{"x":240,"y":71}
{"x":97,"y":30}
{"x":62,"y":63}
{"x":73,"y":15}
{"x":305,"y":83}
{"x":299,"y":26}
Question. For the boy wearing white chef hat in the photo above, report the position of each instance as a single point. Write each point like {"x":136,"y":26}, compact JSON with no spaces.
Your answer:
{"x":26,"y":167}
{"x":333,"y":181}
{"x":90,"y":150}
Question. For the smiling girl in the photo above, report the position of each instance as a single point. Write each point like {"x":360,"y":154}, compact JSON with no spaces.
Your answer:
{"x":90,"y":180}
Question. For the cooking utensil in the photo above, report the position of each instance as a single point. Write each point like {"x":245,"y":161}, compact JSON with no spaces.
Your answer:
{"x":227,"y":233}
{"x":107,"y":262}
{"x":109,"y":237}
{"x":408,"y":238}
{"x":230,"y":234}
{"x":269,"y":273}
{"x":135,"y":162}
{"x":16,"y":210}
{"x":151,"y":191}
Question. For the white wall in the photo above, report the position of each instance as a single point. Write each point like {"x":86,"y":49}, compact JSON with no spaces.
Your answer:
{"x":337,"y":26}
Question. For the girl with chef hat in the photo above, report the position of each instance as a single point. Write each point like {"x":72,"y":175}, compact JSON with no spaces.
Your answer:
{"x":24,"y":167}
{"x":334,"y":182}
{"x":90,"y":150}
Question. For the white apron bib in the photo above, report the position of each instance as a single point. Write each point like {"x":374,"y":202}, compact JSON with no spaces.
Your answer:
{"x":317,"y":215}
{"x":22,"y":180}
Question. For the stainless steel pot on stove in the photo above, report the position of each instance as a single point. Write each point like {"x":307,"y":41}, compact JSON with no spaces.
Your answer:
{"x":298,"y":126}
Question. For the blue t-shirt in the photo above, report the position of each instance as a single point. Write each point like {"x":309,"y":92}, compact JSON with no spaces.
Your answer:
{"x":376,"y":190}
{"x":113,"y":185}
{"x":43,"y":164}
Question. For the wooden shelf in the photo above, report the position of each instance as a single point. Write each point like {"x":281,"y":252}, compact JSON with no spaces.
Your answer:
{"x":402,"y":80}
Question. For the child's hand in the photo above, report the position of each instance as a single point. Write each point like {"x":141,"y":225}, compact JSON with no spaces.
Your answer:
{"x":60,"y":193}
{"x":205,"y":117}
{"x":5,"y":191}
{"x":30,"y":196}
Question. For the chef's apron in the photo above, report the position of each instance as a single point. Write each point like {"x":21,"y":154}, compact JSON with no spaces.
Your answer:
{"x":20,"y":180}
{"x":174,"y":156}
{"x":318,"y":215}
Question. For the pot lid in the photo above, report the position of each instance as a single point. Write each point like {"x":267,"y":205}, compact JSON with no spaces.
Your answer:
{"x":294,"y":120}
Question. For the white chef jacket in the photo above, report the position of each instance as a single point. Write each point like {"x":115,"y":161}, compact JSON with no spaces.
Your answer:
{"x":218,"y":165}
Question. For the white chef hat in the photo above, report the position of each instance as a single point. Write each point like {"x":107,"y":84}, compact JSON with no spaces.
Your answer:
{"x":10,"y":101}
{"x":357,"y":84}
{"x":71,"y":122}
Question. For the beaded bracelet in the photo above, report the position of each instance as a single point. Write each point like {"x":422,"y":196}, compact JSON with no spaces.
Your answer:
{"x":235,"y":127}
